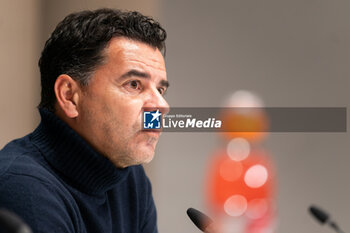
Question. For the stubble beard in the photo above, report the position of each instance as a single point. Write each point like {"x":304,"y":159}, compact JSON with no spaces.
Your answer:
{"x":120,"y":144}
{"x":126,"y":150}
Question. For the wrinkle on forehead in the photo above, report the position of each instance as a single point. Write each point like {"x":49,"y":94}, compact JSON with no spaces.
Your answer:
{"x":123,"y":50}
{"x":135,"y":49}
{"x":155,"y":65}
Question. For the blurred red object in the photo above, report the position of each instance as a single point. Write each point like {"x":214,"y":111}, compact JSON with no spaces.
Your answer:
{"x":251,"y":178}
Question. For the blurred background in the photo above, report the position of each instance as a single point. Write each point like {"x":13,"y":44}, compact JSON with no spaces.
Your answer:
{"x":291,"y":53}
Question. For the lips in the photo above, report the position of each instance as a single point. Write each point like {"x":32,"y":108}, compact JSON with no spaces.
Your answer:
{"x":152,"y":130}
{"x":153,"y":133}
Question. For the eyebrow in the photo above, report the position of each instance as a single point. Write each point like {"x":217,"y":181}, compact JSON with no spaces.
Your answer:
{"x":164,"y":83}
{"x":136,"y":73}
{"x":140,"y":74}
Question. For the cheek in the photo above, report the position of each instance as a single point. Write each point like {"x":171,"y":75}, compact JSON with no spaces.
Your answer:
{"x":128,"y":113}
{"x":119,"y":112}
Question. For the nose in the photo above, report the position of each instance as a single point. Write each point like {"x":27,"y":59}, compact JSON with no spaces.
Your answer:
{"x":154,"y":100}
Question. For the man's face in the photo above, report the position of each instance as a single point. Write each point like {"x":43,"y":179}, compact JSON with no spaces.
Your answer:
{"x":110,"y":108}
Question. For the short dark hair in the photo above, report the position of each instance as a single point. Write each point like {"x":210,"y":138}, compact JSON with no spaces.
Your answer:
{"x":76,"y":45}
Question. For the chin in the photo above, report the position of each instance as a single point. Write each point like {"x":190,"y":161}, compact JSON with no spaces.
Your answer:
{"x":149,"y":159}
{"x":146,"y":157}
{"x":145,"y":152}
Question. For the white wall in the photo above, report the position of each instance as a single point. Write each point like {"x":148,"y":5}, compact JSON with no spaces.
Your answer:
{"x":20,"y":81}
{"x":293,"y":54}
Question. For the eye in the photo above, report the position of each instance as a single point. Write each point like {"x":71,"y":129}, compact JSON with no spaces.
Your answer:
{"x":134,"y":84}
{"x":162,"y":90}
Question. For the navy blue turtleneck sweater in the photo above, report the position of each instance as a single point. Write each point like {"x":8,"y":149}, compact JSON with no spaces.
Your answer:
{"x":56,"y":182}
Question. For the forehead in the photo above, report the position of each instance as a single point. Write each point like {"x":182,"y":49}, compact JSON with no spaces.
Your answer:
{"x":124,"y":53}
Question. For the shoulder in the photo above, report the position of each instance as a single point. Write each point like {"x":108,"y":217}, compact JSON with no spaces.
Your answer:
{"x":41,"y":205}
{"x":20,"y":158}
{"x":23,"y":168}
{"x":30,"y":190}
{"x":14,"y":155}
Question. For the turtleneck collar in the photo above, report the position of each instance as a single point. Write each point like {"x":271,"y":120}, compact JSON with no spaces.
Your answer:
{"x":72,"y":156}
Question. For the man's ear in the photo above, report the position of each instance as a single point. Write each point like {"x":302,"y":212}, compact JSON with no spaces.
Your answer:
{"x":67,"y":93}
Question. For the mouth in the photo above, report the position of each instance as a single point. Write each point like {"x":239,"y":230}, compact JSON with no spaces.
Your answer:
{"x":153,"y":133}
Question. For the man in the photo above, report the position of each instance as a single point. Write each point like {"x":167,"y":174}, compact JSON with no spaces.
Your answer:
{"x":80,"y":171}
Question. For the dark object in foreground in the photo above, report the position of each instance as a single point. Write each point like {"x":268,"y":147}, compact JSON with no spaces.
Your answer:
{"x":201,"y":220}
{"x":323,"y":217}
{"x":11,"y":223}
